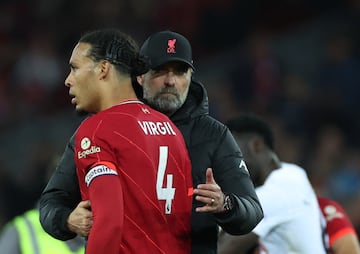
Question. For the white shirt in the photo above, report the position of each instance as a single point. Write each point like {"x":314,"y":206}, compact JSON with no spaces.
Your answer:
{"x":291,"y":221}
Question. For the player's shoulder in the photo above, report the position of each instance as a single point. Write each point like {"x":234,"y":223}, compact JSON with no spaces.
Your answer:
{"x":91,"y":121}
{"x":208,"y":127}
{"x":289,"y":175}
{"x":292,"y":166}
{"x":293,"y":170}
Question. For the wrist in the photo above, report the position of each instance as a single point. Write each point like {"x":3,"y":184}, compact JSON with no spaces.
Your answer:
{"x":228,"y":202}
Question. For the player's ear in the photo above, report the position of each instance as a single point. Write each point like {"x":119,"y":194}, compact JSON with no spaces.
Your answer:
{"x":103,"y":69}
{"x":140,"y":79}
{"x":256,"y":145}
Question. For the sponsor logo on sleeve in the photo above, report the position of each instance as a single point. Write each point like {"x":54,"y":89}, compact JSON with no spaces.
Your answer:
{"x":87,"y":148}
{"x":332,"y":213}
{"x":96,"y":171}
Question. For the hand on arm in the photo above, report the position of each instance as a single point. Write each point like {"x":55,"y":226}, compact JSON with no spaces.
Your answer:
{"x":80,"y":219}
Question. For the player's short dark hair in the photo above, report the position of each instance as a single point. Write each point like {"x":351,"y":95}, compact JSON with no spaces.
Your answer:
{"x":118,"y":48}
{"x":250,"y":123}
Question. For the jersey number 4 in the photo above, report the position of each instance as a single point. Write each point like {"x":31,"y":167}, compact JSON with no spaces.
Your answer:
{"x":168,"y":192}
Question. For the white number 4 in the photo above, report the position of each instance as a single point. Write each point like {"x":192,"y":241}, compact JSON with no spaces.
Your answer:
{"x":168,"y":192}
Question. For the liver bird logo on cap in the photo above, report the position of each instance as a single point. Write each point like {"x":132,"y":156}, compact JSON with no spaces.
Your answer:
{"x":171,"y":46}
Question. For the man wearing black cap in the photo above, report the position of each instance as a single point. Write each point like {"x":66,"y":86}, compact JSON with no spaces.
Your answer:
{"x":224,"y":193}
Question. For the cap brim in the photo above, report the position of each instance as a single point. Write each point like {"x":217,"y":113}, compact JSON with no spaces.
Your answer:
{"x":158,"y":62}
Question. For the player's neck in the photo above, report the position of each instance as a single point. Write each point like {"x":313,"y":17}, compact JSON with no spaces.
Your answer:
{"x":112,"y":97}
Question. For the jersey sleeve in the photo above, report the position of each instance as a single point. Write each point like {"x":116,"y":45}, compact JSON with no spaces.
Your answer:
{"x":338,"y":223}
{"x":106,"y":199}
{"x":99,"y":182}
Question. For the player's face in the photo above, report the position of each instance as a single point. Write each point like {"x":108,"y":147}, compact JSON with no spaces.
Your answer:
{"x":82,"y":80}
{"x":166,"y":87}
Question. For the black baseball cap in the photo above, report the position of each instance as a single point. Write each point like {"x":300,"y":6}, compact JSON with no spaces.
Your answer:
{"x":167,"y":46}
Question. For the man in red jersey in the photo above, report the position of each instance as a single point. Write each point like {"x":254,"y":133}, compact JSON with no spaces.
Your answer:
{"x":340,"y":233}
{"x":132,"y":163}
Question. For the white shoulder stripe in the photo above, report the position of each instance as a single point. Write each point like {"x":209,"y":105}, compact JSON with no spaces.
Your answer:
{"x":98,"y":171}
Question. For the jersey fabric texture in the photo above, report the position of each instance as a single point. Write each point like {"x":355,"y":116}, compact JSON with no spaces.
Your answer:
{"x":337,"y":223}
{"x":210,"y":144}
{"x":133,"y":166}
{"x":292,"y":222}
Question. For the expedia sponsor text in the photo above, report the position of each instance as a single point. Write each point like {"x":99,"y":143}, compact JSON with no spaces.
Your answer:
{"x":91,"y":150}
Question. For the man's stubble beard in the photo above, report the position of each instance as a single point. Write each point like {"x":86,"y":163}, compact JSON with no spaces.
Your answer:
{"x":167,"y":104}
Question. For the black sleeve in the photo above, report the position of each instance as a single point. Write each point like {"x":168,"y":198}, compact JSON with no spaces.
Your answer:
{"x":234,"y":179}
{"x":60,"y":196}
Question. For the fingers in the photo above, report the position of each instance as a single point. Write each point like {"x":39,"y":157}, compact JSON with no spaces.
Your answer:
{"x":85,"y":204}
{"x":209,"y":176}
{"x":211,"y":205}
{"x":80,"y":219}
{"x":209,"y":199}
{"x":210,"y":194}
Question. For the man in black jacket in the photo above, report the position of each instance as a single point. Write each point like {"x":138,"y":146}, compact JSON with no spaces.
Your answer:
{"x":224,"y":193}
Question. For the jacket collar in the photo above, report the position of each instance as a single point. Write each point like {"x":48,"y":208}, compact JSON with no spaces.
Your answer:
{"x":196,"y":104}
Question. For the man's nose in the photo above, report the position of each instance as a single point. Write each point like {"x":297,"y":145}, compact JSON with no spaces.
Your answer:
{"x":170,"y":79}
{"x":67,"y":81}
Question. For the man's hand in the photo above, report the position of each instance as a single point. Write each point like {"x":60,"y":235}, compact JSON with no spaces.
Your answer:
{"x":210,"y":194}
{"x":80,"y":219}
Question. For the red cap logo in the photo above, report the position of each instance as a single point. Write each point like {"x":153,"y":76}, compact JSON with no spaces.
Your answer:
{"x":171,"y":46}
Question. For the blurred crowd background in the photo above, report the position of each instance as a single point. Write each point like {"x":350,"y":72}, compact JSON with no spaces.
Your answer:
{"x":296,"y":63}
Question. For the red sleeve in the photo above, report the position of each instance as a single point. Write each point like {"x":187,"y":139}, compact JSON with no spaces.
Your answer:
{"x":338,"y":223}
{"x":106,"y":199}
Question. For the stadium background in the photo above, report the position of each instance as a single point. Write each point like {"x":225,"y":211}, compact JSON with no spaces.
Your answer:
{"x":296,"y":63}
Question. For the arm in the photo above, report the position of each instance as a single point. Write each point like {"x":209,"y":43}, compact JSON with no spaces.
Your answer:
{"x":107,"y":205}
{"x":346,"y":244}
{"x":233,"y":177}
{"x":342,"y":235}
{"x":60,"y":197}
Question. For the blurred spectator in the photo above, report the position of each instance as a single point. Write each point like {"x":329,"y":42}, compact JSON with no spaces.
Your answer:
{"x":339,"y":78}
{"x":256,"y":81}
{"x":24,"y":234}
{"x":37,"y":74}
{"x":8,"y":191}
{"x":327,"y":154}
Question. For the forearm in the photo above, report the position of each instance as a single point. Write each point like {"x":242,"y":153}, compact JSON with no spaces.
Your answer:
{"x":243,"y":218}
{"x":108,"y":211}
{"x":234,"y":179}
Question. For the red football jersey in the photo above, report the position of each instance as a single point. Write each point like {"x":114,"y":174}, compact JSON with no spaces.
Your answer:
{"x":337,"y":222}
{"x":133,"y":166}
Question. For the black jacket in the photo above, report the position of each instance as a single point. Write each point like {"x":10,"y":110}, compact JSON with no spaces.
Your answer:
{"x":210,"y":144}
